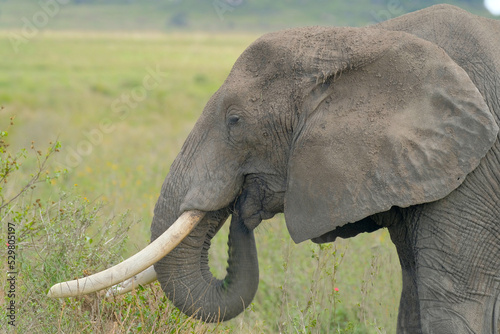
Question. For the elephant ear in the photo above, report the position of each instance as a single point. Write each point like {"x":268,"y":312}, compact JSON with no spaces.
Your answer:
{"x":388,"y":120}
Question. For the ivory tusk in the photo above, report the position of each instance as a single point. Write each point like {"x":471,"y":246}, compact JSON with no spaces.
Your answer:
{"x":134,"y":264}
{"x":142,"y":278}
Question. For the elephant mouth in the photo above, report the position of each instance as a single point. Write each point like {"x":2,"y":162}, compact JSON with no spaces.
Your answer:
{"x":139,"y":270}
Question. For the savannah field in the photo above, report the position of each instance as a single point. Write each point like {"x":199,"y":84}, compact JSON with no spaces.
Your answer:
{"x":121,"y":105}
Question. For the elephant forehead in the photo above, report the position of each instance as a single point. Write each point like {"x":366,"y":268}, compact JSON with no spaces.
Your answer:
{"x":256,"y":73}
{"x":244,"y":90}
{"x":237,"y":91}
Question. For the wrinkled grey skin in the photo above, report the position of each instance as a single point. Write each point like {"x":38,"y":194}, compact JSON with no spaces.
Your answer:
{"x":346,"y":131}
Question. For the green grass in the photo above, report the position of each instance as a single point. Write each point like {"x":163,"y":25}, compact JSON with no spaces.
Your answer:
{"x":60,"y":86}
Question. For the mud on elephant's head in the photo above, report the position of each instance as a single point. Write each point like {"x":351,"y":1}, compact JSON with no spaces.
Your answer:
{"x":330,"y":126}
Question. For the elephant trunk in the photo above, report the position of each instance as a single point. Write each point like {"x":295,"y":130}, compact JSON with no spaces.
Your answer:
{"x":185,"y":275}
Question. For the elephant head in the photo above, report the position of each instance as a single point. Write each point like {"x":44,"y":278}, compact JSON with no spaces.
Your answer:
{"x":333,"y":127}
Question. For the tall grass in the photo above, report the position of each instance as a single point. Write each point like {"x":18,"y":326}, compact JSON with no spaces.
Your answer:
{"x":61,"y":87}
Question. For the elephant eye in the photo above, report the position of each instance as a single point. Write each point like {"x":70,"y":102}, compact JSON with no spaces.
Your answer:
{"x":233,"y":120}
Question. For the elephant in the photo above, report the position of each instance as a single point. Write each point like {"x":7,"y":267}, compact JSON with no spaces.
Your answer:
{"x":347,"y":130}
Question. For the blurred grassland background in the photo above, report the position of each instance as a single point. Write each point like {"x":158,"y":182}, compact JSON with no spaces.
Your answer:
{"x":217,"y":15}
{"x":66,"y":80}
